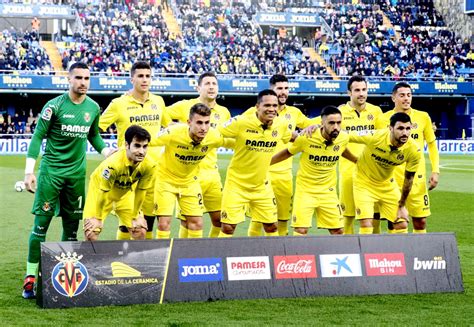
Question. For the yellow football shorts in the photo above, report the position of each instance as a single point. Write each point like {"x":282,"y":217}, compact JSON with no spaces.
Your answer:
{"x":189,"y":198}
{"x":385,"y":195}
{"x":282,"y":184}
{"x":211,"y":187}
{"x":260,"y":201}
{"x":327,"y":207}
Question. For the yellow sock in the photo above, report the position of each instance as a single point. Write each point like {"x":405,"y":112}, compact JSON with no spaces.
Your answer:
{"x":149,"y":235}
{"x":295,"y":233}
{"x":214,"y":232}
{"x":183,"y":232}
{"x":366,"y":230}
{"x":194,"y":233}
{"x":221,"y":234}
{"x":376,"y":226}
{"x":122,"y":236}
{"x":400,"y":231}
{"x":255,"y":229}
{"x":282,"y":227}
{"x":348,"y":225}
{"x":163,"y":234}
{"x":419,"y":231}
{"x":271,"y":233}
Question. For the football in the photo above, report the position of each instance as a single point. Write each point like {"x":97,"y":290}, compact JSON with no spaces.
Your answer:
{"x":19,"y":186}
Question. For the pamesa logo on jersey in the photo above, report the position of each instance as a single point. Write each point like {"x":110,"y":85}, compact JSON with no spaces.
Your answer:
{"x":69,"y":276}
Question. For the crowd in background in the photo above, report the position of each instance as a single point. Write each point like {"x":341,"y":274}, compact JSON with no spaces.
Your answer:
{"x":222,"y":37}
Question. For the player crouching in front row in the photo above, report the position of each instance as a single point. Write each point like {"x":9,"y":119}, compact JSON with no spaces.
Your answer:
{"x":110,"y":187}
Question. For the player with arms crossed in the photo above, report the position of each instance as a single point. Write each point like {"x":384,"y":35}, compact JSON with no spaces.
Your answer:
{"x":357,"y":115}
{"x":67,"y":122}
{"x":209,"y":177}
{"x":316,"y":179}
{"x":186,"y":145}
{"x":373,"y":181}
{"x":256,"y":138}
{"x":418,"y":204}
{"x":138,"y":107}
{"x":281,"y":174}
{"x":111,"y":183}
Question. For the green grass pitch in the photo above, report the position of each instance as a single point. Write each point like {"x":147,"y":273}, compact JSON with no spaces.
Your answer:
{"x":452,"y":206}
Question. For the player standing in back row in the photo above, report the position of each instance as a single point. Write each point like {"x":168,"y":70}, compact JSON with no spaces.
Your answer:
{"x":138,"y":107}
{"x":67,"y":122}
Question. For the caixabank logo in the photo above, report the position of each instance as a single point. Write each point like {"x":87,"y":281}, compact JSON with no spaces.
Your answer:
{"x":340,"y":265}
{"x":69,"y":276}
{"x":200,"y":270}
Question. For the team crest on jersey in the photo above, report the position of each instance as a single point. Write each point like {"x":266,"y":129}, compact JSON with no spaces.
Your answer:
{"x":275,"y":133}
{"x":87,"y":117}
{"x":204,"y":148}
{"x":217,"y":117}
{"x":370,"y":117}
{"x":336,"y":148}
{"x":46,"y":206}
{"x":154,"y":107}
{"x":47,"y":113}
{"x":288,"y":116}
{"x":106,"y":174}
{"x":414,"y":125}
{"x":69,"y":277}
{"x":400,"y":157}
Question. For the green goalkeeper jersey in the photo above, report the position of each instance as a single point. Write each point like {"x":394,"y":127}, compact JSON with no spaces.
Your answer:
{"x":67,"y":127}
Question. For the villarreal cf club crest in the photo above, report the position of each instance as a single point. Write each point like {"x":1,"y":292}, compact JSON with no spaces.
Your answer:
{"x":336,"y":148}
{"x":204,"y":148}
{"x":275,"y":133}
{"x":370,"y":117}
{"x":87,"y":117}
{"x":69,"y":276}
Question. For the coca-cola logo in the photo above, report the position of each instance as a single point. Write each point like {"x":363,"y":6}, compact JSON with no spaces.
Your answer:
{"x":295,"y":266}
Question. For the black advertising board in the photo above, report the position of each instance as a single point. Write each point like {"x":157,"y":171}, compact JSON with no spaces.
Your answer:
{"x":248,"y":268}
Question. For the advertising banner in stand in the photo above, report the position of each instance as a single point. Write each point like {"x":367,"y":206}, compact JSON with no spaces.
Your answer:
{"x":160,"y":271}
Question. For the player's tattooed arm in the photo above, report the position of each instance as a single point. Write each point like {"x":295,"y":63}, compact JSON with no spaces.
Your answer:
{"x":349,"y":156}
{"x":407,"y":184}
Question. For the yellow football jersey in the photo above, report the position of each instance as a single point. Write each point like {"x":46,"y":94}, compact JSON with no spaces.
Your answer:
{"x":179,"y":111}
{"x":115,"y":175}
{"x":293,"y":117}
{"x":422,"y":131}
{"x":181,"y":157}
{"x":379,"y":158}
{"x":254,"y":148}
{"x":126,"y":111}
{"x":352,"y":120}
{"x":317,"y":171}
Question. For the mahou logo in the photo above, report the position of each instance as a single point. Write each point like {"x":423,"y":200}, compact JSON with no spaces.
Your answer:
{"x":295,"y":266}
{"x":385,"y":264}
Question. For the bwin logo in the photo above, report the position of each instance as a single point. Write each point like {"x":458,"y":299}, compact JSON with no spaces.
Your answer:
{"x":436,"y":264}
{"x":200,"y":270}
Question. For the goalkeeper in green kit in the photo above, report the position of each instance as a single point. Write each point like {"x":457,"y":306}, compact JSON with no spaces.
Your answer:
{"x":67,"y":122}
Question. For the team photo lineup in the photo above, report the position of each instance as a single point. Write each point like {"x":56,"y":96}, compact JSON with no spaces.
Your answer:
{"x":359,"y":168}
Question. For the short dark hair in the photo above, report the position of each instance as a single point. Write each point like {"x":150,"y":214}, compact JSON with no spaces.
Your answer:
{"x":138,"y":133}
{"x":204,"y":75}
{"x":78,"y":65}
{"x":399,"y":117}
{"x":355,"y":78}
{"x":399,"y":86}
{"x":199,"y":109}
{"x":278,"y":78}
{"x":139,"y":65}
{"x":330,"y":110}
{"x":263,"y":93}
